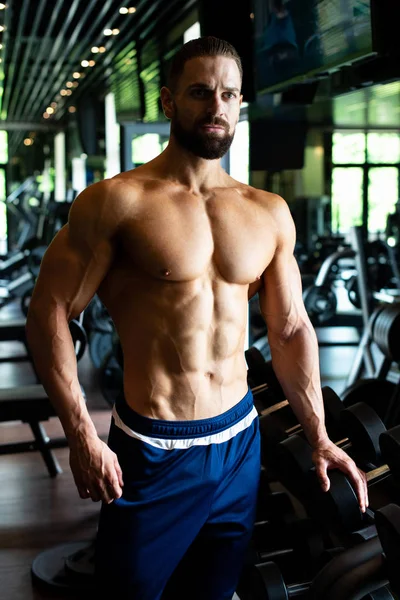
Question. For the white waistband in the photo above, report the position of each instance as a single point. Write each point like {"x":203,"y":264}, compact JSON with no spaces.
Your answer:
{"x":182,"y":444}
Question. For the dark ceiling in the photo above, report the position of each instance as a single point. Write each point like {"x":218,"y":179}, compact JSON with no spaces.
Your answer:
{"x":45,"y":41}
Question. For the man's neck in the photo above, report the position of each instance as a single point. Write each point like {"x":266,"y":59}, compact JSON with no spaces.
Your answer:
{"x":197,"y":174}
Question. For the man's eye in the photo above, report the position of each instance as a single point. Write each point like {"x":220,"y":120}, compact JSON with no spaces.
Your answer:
{"x":199,"y":93}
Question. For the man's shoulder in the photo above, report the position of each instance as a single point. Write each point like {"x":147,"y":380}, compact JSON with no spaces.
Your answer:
{"x":111,"y":196}
{"x":267,"y":199}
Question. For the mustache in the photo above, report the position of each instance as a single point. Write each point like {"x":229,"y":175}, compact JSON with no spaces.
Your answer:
{"x":214,"y":121}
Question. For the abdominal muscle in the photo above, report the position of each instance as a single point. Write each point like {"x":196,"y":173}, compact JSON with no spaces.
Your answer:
{"x":183,"y":346}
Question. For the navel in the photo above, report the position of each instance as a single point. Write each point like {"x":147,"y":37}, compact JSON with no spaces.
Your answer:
{"x":165,"y":272}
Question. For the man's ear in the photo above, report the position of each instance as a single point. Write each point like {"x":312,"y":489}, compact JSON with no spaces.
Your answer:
{"x":167,"y":102}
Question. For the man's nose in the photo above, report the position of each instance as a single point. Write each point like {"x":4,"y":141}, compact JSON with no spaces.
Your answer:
{"x":215,"y":107}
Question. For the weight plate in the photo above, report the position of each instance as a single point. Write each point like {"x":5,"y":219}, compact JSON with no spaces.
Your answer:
{"x":48,"y":569}
{"x":363,"y":427}
{"x":254,"y":358}
{"x":308,"y":540}
{"x":320,"y":303}
{"x":374,"y":392}
{"x":293,"y":463}
{"x":382,"y":594}
{"x":100,"y":346}
{"x":386,"y":331}
{"x":111,"y":379}
{"x":333,"y":406}
{"x":340,"y":504}
{"x":274,"y":585}
{"x":81,"y":563}
{"x":389,"y":442}
{"x":387,"y":521}
{"x":97,"y":317}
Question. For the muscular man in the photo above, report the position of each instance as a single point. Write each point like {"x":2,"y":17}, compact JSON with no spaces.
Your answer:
{"x":175,"y":248}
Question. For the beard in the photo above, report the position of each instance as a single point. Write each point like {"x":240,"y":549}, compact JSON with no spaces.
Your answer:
{"x":201,"y":143}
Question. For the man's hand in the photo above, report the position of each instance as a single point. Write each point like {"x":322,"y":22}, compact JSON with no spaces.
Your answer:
{"x":96,"y":470}
{"x":329,"y":456}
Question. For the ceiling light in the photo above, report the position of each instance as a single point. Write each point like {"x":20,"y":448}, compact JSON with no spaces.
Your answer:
{"x":131,"y":10}
{"x":69,"y":84}
{"x":50,"y":110}
{"x":85,"y":63}
{"x":108,"y":32}
{"x":95,"y":49}
{"x":102,"y":49}
{"x":123,"y":10}
{"x":63,"y":92}
{"x":28,"y":142}
{"x":46,"y":116}
{"x":115,"y":31}
{"x":1,"y":27}
{"x":2,"y":6}
{"x":76,"y":75}
{"x":68,"y":92}
{"x":75,"y":85}
{"x":1,"y":45}
{"x":72,"y":109}
{"x":53,"y":104}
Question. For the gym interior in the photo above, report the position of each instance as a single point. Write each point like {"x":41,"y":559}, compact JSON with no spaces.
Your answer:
{"x":320,"y":126}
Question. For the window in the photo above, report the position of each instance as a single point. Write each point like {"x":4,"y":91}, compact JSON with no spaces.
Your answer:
{"x":369,"y":188}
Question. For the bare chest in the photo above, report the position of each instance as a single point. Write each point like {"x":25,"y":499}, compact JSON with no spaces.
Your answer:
{"x":181,"y":243}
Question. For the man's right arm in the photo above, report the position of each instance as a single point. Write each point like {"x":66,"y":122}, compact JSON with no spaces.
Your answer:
{"x":72,"y":269}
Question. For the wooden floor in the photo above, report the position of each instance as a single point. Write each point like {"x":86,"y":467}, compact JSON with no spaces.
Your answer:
{"x":37,"y":512}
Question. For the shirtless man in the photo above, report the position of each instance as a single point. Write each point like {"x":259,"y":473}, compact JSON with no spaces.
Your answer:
{"x":175,"y":248}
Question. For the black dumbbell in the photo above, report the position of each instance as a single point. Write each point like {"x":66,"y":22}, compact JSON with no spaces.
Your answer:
{"x":357,"y":578}
{"x":337,"y":506}
{"x":388,"y":526}
{"x":296,"y":546}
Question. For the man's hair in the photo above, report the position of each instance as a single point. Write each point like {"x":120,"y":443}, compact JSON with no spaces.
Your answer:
{"x":203,"y":46}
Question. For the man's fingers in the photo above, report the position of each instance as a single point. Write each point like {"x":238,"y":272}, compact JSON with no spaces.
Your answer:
{"x":111,"y":490}
{"x":321,"y":471}
{"x":83,"y":493}
{"x":360,"y":485}
{"x":119,"y":472}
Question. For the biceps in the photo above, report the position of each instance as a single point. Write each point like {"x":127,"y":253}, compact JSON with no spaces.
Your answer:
{"x":281,"y":301}
{"x":70,"y":275}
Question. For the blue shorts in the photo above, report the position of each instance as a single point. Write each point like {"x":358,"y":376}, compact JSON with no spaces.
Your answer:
{"x":183,"y":524}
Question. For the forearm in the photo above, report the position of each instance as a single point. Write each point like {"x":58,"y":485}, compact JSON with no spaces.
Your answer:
{"x":295,"y":360}
{"x":53,"y":354}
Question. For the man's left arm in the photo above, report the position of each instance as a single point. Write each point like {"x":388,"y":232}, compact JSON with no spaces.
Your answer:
{"x":294,"y":351}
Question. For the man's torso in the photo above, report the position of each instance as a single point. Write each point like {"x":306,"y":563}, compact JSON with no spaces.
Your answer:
{"x":178,"y":292}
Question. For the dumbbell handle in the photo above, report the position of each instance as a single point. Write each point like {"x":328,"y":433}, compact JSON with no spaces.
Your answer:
{"x":376,"y":473}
